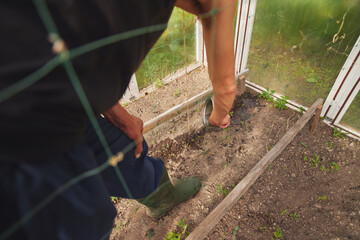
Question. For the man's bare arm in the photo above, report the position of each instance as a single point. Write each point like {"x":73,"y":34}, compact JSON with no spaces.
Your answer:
{"x":219,"y":41}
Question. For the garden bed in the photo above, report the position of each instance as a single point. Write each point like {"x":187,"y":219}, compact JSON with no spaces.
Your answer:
{"x":311,"y":191}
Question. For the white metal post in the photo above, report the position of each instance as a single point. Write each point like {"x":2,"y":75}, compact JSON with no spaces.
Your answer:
{"x":345,"y":88}
{"x":199,"y":42}
{"x":132,"y":92}
{"x":244,"y":25}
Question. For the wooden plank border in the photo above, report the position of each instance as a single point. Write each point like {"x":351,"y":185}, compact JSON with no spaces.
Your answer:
{"x":219,"y":212}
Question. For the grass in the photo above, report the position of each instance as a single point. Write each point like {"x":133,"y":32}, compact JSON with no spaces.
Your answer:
{"x":279,"y":103}
{"x":292,"y":50}
{"x":338,"y":133}
{"x":167,"y":55}
{"x":351,"y":118}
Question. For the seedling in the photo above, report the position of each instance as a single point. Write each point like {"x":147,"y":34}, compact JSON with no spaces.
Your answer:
{"x":304,"y":144}
{"x":331,"y":145}
{"x":222,"y":190}
{"x":267,"y":95}
{"x":281,"y":103}
{"x":305,"y":158}
{"x":338,"y":133}
{"x":316,"y":161}
{"x":334,"y":166}
{"x":322,"y":198}
{"x":278,"y":233}
{"x":236,"y":230}
{"x":323,"y":168}
{"x":159,"y":83}
{"x":177,"y":92}
{"x":119,"y":226}
{"x":174,"y":235}
{"x":283,"y":212}
{"x":301,"y":110}
{"x":293,"y":215}
{"x":231,"y":114}
{"x":115,"y":199}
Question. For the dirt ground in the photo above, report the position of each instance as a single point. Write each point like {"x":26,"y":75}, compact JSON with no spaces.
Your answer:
{"x":311,"y":191}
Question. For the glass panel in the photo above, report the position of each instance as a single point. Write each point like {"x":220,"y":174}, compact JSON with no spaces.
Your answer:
{"x":351,"y":119}
{"x":167,"y":55}
{"x":299,"y":46}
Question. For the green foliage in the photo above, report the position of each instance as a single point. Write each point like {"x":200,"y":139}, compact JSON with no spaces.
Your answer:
{"x":222,"y":190}
{"x":293,"y":215}
{"x":177,"y":92}
{"x":180,"y":233}
{"x":331,"y":145}
{"x":231,"y":114}
{"x":278,"y":233}
{"x":267,"y":95}
{"x":283,"y":212}
{"x":316,"y":160}
{"x":301,"y":110}
{"x":323,"y":168}
{"x":236,"y":230}
{"x":167,"y":55}
{"x":338,"y":133}
{"x":115,"y":199}
{"x":322,"y":198}
{"x":334,"y":166}
{"x":159,"y":83}
{"x":281,"y":103}
{"x":292,"y":50}
{"x":304,"y":144}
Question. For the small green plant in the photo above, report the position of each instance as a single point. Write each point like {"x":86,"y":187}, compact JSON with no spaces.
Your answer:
{"x":222,"y":190}
{"x":177,"y":92}
{"x":119,"y":226}
{"x":178,"y":235}
{"x":331,"y":145}
{"x":334,"y":166}
{"x":267,"y":95}
{"x":231,"y":114}
{"x":338,"y":133}
{"x":316,"y":161}
{"x":304,"y":144}
{"x":323,"y":168}
{"x":305,"y":158}
{"x":322,"y":198}
{"x":115,"y":199}
{"x":283,"y":212}
{"x":281,"y":103}
{"x":301,"y":110}
{"x":159,"y":83}
{"x":236,"y":230}
{"x":278,"y":233}
{"x":293,"y":215}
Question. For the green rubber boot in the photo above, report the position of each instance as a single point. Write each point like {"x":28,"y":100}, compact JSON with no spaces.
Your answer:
{"x":166,"y":196}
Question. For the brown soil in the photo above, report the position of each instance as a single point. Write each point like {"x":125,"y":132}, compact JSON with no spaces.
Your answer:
{"x":288,"y":197}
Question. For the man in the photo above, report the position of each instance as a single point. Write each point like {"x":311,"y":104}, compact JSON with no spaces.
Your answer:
{"x":46,"y":140}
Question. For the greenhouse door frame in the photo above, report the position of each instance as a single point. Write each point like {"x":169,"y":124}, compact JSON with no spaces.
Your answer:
{"x":344,"y":90}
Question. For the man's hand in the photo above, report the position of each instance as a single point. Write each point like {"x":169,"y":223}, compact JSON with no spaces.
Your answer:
{"x":132,"y":126}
